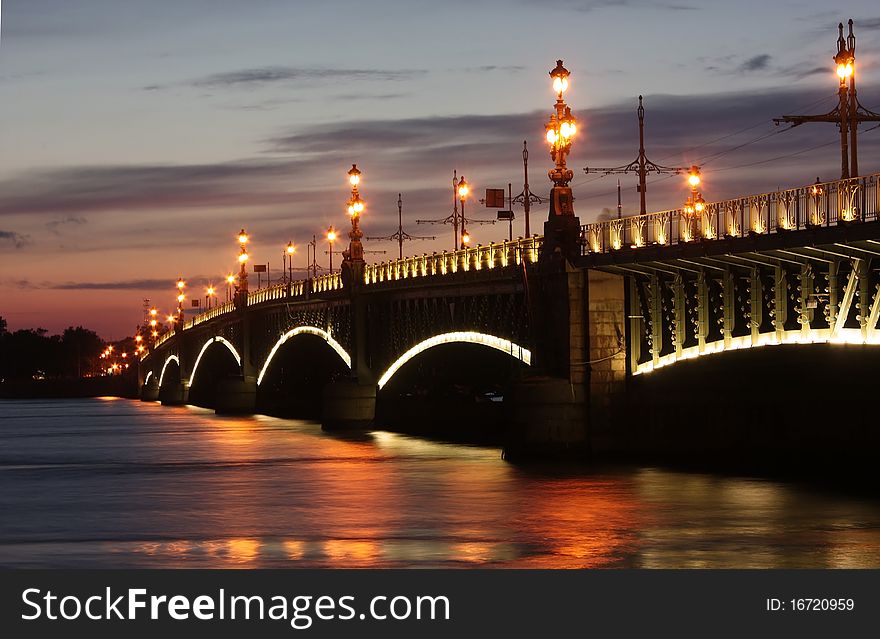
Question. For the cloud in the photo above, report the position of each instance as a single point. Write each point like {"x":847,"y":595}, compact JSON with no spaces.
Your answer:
{"x":77,"y":190}
{"x":298,"y":184}
{"x":129,"y":285}
{"x":15,"y":239}
{"x":74,"y":220}
{"x":868,"y":24}
{"x":756,"y":63}
{"x":260,"y":76}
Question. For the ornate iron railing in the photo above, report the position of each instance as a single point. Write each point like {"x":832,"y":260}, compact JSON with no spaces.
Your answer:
{"x":814,"y":205}
{"x":470,"y":259}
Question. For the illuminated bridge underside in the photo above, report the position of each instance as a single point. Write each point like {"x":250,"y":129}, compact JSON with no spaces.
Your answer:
{"x":699,"y":298}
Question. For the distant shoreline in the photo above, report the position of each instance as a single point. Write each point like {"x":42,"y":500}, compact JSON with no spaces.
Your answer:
{"x":68,"y":388}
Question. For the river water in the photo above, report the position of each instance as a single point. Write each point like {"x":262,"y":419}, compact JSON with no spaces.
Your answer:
{"x":117,"y":483}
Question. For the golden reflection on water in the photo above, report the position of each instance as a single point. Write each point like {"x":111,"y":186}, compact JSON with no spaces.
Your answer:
{"x":200,"y":490}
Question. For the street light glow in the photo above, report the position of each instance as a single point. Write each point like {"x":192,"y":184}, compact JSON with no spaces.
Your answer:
{"x":560,"y":78}
{"x":331,"y":234}
{"x":180,"y":283}
{"x":243,"y":258}
{"x":243,"y":237}
{"x":291,"y":249}
{"x":463,"y":188}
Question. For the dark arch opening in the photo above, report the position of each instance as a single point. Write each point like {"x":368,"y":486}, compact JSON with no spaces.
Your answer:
{"x":768,"y":409}
{"x":456,"y":391}
{"x":170,"y":379}
{"x":217,"y":363}
{"x":294,"y":382}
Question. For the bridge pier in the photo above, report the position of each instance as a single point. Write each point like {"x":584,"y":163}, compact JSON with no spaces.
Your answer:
{"x":548,"y":418}
{"x":236,"y":395}
{"x":174,"y":394}
{"x":348,"y":405}
{"x":150,"y":390}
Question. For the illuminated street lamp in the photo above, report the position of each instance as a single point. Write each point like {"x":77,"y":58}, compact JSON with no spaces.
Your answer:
{"x":463,"y":190}
{"x":849,"y":112}
{"x":331,"y":237}
{"x":289,"y":250}
{"x":154,"y":322}
{"x":694,"y":205}
{"x":241,"y":285}
{"x":230,"y":283}
{"x":560,"y":128}
{"x":209,"y":293}
{"x":356,"y":207}
{"x":180,"y":298}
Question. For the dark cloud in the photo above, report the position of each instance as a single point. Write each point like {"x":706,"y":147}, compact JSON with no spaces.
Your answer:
{"x":73,"y":191}
{"x":489,"y":68}
{"x":371,"y":96}
{"x":250,"y":78}
{"x":122,"y":285}
{"x":868,"y":24}
{"x":130,"y":285}
{"x":15,"y":239}
{"x":756,"y":63}
{"x":299,"y":184}
{"x":70,"y":220}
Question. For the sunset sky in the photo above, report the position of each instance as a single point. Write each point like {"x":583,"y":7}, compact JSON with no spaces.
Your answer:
{"x":139,"y":136}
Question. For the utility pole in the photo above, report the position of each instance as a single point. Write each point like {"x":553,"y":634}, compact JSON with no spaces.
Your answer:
{"x":401,"y":236}
{"x":526,"y":198}
{"x":641,"y":165}
{"x":848,"y":113}
{"x":455,"y":218}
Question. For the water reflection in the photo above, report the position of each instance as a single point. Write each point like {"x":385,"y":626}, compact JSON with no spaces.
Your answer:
{"x":117,"y":483}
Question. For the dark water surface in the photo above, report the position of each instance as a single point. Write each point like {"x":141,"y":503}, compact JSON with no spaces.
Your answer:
{"x":119,"y":483}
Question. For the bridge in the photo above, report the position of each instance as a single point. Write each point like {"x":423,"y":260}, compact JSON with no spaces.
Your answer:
{"x":558,"y":329}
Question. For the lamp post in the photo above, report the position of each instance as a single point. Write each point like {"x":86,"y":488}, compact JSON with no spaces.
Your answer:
{"x":154,"y":331}
{"x":695,"y":204}
{"x":848,"y":113}
{"x":289,"y":250}
{"x":560,"y":128}
{"x":241,"y":288}
{"x":331,"y":237}
{"x":181,"y":285}
{"x":209,"y":293}
{"x":463,"y":190}
{"x":230,"y":283}
{"x":356,"y":206}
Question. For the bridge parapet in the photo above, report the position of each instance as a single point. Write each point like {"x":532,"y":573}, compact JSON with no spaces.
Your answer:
{"x":470,"y":259}
{"x":210,"y":314}
{"x":811,"y":206}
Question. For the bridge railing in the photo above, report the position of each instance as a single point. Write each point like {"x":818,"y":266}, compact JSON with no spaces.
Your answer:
{"x":209,"y":314}
{"x":811,"y":206}
{"x":475,"y":258}
{"x":329,"y":282}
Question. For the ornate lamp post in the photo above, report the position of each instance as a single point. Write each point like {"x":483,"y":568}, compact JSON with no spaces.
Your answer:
{"x":209,"y":293}
{"x":331,"y":237}
{"x":694,"y":205}
{"x":241,"y":285}
{"x":289,"y":250}
{"x":561,"y":128}
{"x":154,"y":323}
{"x":356,"y":206}
{"x":180,"y":299}
{"x":849,"y":112}
{"x":463,"y":190}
